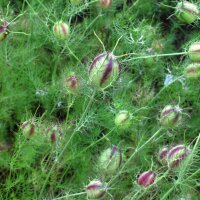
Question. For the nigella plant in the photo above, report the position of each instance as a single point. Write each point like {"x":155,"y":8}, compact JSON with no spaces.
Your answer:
{"x":104,"y":70}
{"x":4,"y":30}
{"x":54,"y":133}
{"x":29,"y":128}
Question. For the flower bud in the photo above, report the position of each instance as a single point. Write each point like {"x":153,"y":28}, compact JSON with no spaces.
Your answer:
{"x":146,"y":178}
{"x":194,"y":52}
{"x":72,"y":84}
{"x":105,"y":3}
{"x":170,"y":116}
{"x":4,"y":31}
{"x":123,"y":119}
{"x":95,"y":189}
{"x":110,"y":160}
{"x":28,"y":128}
{"x":104,"y":70}
{"x":176,"y":155}
{"x":187,"y":12}
{"x":61,"y":30}
{"x":162,"y":155}
{"x":54,"y":134}
{"x":192,"y":71}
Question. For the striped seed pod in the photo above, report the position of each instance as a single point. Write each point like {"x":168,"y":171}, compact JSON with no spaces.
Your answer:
{"x":170,"y":116}
{"x":72,"y":84}
{"x":123,"y":119}
{"x":28,"y":128}
{"x":192,"y":71}
{"x":54,"y":134}
{"x":95,"y":189}
{"x":110,"y":160}
{"x":176,"y":155}
{"x":162,"y":155}
{"x":61,"y":30}
{"x":104,"y":70}
{"x":146,"y":178}
{"x":187,"y":12}
{"x":4,"y":30}
{"x":194,"y":52}
{"x":105,"y":3}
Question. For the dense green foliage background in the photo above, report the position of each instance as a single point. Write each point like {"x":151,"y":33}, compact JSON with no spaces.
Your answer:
{"x":33,"y":68}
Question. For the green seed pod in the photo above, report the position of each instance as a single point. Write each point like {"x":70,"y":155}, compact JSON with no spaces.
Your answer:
{"x":95,"y":189}
{"x":170,"y":116}
{"x":192,"y":71}
{"x":61,"y":30}
{"x":194,"y":52}
{"x":72,"y":84}
{"x":187,"y":12}
{"x":110,"y":160}
{"x":4,"y":30}
{"x":28,"y":128}
{"x":123,"y":119}
{"x":104,"y":70}
{"x":105,"y":3}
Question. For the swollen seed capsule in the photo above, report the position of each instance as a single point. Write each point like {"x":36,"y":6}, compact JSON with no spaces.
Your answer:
{"x":28,"y":128}
{"x":72,"y":84}
{"x":162,"y":155}
{"x":105,"y":3}
{"x":4,"y":31}
{"x":170,"y":116}
{"x":192,"y":71}
{"x":176,"y":155}
{"x":194,"y":52}
{"x":110,"y":160}
{"x":54,"y":134}
{"x":187,"y":12}
{"x":123,"y":119}
{"x":95,"y":189}
{"x":104,"y":70}
{"x":61,"y":30}
{"x":146,"y":178}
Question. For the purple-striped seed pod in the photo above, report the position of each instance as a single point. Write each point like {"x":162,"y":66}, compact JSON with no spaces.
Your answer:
{"x":123,"y":119}
{"x":146,"y":178}
{"x":95,"y":189}
{"x":170,"y":116}
{"x":105,"y":3}
{"x":54,"y":134}
{"x":162,"y":155}
{"x":187,"y":12}
{"x":104,"y":70}
{"x":4,"y":30}
{"x":72,"y":84}
{"x":110,"y":160}
{"x":28,"y":128}
{"x":176,"y":155}
{"x":194,"y":52}
{"x":61,"y":30}
{"x":192,"y":71}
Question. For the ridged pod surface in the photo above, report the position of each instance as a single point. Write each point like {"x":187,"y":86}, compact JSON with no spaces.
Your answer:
{"x":95,"y":189}
{"x":162,"y":155}
{"x":123,"y":119}
{"x":4,"y":31}
{"x":61,"y":30}
{"x":187,"y":12}
{"x":146,"y":178}
{"x":28,"y":128}
{"x":54,"y":133}
{"x":194,"y":52}
{"x":192,"y":71}
{"x":104,"y":70}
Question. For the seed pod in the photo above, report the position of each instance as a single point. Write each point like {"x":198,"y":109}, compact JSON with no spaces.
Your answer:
{"x":176,"y":155}
{"x":54,"y":134}
{"x":146,"y":178}
{"x":123,"y":119}
{"x":162,"y":155}
{"x":105,"y":3}
{"x":157,"y":45}
{"x":95,"y":189}
{"x":4,"y":30}
{"x":72,"y":84}
{"x":187,"y":12}
{"x":104,"y":70}
{"x":61,"y":30}
{"x":194,"y":52}
{"x":192,"y":71}
{"x":170,"y":116}
{"x":110,"y":160}
{"x":28,"y":128}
